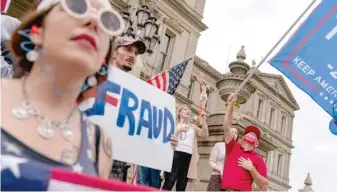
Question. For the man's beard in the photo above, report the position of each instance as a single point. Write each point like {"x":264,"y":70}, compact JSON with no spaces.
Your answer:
{"x":127,"y":68}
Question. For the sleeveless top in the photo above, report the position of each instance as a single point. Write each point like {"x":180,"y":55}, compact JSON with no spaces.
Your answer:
{"x":85,"y":164}
{"x":186,"y":140}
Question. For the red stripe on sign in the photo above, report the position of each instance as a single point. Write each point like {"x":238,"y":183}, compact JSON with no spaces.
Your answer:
{"x":149,"y":81}
{"x":164,"y":81}
{"x":285,"y":62}
{"x":157,"y":81}
{"x":95,"y":182}
{"x":111,"y":100}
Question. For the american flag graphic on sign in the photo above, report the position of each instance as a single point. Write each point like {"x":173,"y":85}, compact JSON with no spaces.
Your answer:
{"x":169,"y":80}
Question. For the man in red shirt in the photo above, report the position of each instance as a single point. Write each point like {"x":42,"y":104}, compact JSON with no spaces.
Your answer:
{"x":242,"y":166}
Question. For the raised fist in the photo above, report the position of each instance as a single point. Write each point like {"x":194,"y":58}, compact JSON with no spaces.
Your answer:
{"x":231,"y":99}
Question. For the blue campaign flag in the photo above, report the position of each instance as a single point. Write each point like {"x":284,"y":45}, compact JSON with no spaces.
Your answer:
{"x":309,"y":58}
{"x":333,"y":126}
{"x":333,"y":122}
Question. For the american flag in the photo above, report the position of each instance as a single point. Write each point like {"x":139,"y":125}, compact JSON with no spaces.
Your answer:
{"x":20,"y":174}
{"x":169,"y":80}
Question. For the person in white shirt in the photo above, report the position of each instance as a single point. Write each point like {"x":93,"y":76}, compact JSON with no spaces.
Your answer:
{"x":216,"y":161}
{"x":186,"y":154}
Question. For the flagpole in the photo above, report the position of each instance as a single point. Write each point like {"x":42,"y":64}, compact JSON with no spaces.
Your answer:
{"x":274,"y":47}
{"x":229,"y":51}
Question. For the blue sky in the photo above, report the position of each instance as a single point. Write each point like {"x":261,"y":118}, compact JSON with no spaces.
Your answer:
{"x":258,"y":24}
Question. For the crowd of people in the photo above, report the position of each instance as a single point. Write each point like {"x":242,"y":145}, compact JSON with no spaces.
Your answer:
{"x":59,"y":51}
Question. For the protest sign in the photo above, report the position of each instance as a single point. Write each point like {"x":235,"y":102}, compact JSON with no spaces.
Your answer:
{"x":309,"y":58}
{"x":137,"y":116}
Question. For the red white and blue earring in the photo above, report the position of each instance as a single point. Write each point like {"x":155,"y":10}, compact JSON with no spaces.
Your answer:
{"x":92,"y":81}
{"x":104,"y":69}
{"x":33,"y":54}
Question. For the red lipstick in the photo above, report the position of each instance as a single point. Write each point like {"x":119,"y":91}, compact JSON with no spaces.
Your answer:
{"x":86,"y":40}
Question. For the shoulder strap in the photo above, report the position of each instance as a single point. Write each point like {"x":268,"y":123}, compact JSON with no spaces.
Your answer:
{"x":97,"y":141}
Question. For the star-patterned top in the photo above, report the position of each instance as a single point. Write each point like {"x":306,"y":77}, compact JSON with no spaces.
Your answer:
{"x":85,"y":164}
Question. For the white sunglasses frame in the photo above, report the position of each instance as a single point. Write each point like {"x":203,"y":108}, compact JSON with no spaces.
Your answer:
{"x":100,"y":23}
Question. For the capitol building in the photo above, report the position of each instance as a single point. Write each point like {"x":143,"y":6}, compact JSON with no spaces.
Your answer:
{"x":267,"y":101}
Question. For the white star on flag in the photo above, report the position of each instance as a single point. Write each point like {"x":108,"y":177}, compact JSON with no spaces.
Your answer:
{"x":89,"y":153}
{"x":77,"y":168}
{"x":10,"y":147}
{"x":12,"y":163}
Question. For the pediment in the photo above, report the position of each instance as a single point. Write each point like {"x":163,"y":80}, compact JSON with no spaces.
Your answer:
{"x":279,"y":86}
{"x":275,"y":84}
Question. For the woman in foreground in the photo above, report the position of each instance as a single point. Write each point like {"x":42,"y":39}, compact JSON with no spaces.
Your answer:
{"x":58,"y":47}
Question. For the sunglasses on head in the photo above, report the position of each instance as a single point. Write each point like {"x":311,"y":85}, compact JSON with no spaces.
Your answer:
{"x":110,"y":21}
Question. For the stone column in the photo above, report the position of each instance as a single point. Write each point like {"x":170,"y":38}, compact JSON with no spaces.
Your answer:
{"x":291,"y":127}
{"x":288,"y":165}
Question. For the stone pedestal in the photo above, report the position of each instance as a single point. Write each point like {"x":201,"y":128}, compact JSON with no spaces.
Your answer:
{"x":231,"y":81}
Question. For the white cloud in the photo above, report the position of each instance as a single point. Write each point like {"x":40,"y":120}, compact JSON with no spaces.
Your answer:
{"x":258,"y":24}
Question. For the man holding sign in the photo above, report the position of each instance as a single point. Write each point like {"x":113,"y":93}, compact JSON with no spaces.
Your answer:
{"x":127,"y":110}
{"x":124,"y":55}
